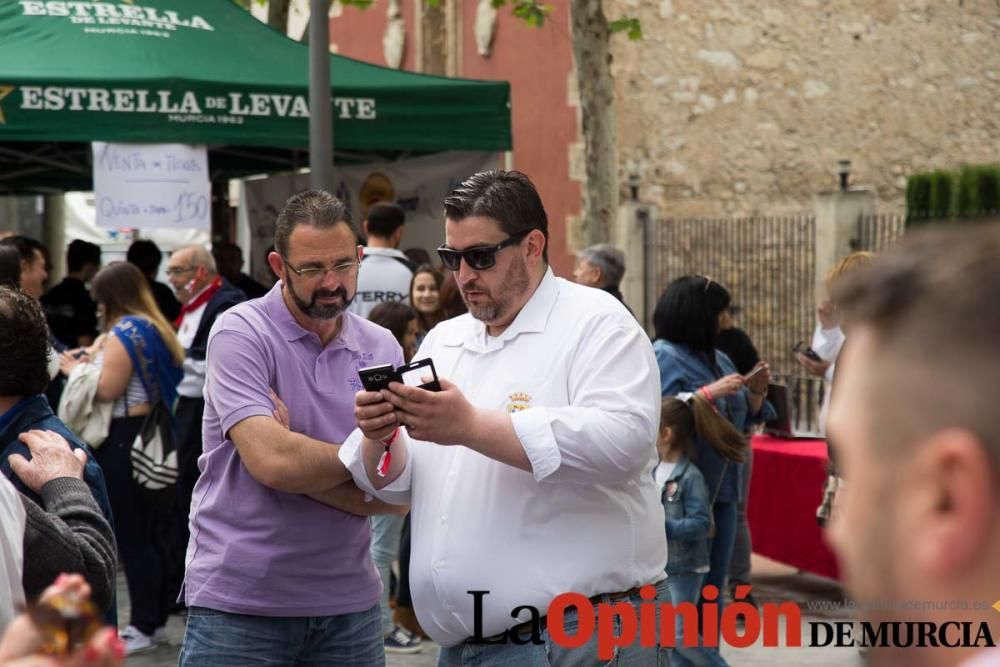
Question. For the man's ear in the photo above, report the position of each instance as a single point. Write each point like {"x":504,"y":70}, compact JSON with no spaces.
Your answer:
{"x":536,"y":244}
{"x":953,"y":525}
{"x":397,"y":236}
{"x":276,"y":264}
{"x":361,"y":252}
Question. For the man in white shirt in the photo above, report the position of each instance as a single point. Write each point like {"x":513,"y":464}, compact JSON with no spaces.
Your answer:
{"x":529,"y":474}
{"x":913,"y":422}
{"x":386,"y":272}
{"x":204,"y":295}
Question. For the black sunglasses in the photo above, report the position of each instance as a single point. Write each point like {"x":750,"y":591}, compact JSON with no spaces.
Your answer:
{"x":479,"y":258}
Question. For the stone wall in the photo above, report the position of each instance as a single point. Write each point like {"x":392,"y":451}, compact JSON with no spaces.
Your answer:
{"x":745,"y":106}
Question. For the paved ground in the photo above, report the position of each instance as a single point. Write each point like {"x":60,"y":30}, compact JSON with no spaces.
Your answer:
{"x":772,"y":583}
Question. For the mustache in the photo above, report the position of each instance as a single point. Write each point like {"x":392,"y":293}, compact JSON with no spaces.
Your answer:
{"x":322,"y":293}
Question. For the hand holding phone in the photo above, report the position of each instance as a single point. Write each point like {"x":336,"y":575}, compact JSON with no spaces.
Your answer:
{"x":806,"y":351}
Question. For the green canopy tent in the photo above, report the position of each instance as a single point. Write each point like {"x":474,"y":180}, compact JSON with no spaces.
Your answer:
{"x":206,"y":72}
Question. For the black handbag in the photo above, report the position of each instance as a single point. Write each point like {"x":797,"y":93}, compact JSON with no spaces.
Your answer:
{"x":154,"y":452}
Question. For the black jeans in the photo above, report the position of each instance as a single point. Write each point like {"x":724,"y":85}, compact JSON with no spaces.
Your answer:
{"x":187,"y":415}
{"x":141,"y":528}
{"x":403,"y":598}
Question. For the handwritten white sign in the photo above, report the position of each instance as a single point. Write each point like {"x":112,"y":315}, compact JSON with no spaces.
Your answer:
{"x":152,"y":186}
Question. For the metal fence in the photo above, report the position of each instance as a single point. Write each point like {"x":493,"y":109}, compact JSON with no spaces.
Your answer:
{"x":878,"y":232}
{"x":768,"y":265}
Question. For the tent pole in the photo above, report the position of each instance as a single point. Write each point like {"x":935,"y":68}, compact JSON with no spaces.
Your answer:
{"x":320,"y":106}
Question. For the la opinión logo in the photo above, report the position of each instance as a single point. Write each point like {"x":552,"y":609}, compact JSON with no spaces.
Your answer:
{"x":619,"y":624}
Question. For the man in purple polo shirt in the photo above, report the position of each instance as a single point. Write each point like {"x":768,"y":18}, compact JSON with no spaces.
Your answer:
{"x":277,"y":573}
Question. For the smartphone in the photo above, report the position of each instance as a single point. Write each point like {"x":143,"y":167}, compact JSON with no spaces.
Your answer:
{"x":806,"y":351}
{"x":413,"y":375}
{"x":756,"y":370}
{"x":377,"y":378}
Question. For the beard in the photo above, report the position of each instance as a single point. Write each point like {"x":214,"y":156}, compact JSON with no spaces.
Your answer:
{"x":495,"y":307}
{"x":317,"y":311}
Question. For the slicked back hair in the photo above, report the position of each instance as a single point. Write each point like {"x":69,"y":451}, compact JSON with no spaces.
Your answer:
{"x":316,"y":208}
{"x":509,"y":197}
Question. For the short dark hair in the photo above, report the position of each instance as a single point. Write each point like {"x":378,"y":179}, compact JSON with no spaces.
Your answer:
{"x":317,"y":208}
{"x":80,"y":253}
{"x":384,"y":218}
{"x":609,"y":259}
{"x":146,"y":255}
{"x":931,"y":303}
{"x":394,"y":316}
{"x":10,"y":266}
{"x":509,"y":197}
{"x":26,"y":247}
{"x":24,"y":345}
{"x":687,"y":313}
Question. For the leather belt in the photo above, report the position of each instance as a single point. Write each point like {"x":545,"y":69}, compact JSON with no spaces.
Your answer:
{"x":527,"y":626}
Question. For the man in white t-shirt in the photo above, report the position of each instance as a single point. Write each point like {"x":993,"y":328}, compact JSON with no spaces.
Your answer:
{"x":386,"y":272}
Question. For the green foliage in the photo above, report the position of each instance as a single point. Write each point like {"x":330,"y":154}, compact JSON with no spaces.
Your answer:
{"x":532,"y":12}
{"x":971,"y":191}
{"x":918,"y":196}
{"x":941,"y":184}
{"x":629,"y":25}
{"x":978,"y":190}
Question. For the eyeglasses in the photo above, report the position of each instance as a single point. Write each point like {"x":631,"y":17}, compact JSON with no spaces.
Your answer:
{"x":179,"y":271}
{"x":708,"y":280}
{"x":343,"y":270}
{"x":479,"y":258}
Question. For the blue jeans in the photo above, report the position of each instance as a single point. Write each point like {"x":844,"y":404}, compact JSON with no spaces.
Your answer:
{"x":219,"y":639}
{"x":550,"y":654}
{"x":386,"y":530}
{"x":721,"y":552}
{"x":739,"y":568}
{"x":687,"y":588}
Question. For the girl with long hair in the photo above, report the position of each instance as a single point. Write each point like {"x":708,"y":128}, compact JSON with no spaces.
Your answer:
{"x":686,"y":504}
{"x":140,"y":360}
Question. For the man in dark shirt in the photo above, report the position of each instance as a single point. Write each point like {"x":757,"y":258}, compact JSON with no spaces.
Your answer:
{"x":229,"y":262}
{"x":147,"y":256}
{"x":71,"y":313}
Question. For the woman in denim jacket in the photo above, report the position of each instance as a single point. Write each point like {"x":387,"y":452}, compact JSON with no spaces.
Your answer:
{"x":687,"y":322}
{"x":687,"y":507}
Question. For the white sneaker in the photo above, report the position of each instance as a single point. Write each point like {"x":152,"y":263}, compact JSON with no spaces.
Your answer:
{"x":160,"y":634}
{"x":135,"y":640}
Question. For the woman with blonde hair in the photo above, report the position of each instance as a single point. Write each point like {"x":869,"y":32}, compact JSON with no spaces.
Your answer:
{"x":140,"y":360}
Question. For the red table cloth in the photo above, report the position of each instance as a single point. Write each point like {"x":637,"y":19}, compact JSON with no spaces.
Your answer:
{"x":786,"y":489}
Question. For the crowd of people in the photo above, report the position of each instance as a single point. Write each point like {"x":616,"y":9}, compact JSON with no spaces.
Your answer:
{"x":297,"y":514}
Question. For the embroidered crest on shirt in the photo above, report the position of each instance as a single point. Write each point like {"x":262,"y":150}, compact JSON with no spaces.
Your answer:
{"x":518,"y":401}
